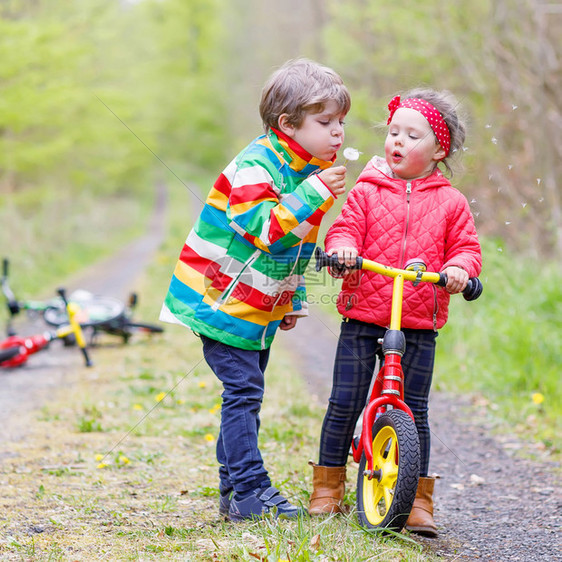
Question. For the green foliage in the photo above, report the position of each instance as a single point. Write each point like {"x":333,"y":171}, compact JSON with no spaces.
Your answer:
{"x":506,"y":345}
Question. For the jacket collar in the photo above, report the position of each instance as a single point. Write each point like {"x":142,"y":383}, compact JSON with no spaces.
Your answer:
{"x":297,"y":158}
{"x":378,"y":171}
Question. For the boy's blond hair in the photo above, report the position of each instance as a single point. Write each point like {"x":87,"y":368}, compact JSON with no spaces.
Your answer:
{"x":299,"y":87}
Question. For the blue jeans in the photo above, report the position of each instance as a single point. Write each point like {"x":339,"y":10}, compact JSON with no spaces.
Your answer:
{"x":241,"y":373}
{"x":353,"y":370}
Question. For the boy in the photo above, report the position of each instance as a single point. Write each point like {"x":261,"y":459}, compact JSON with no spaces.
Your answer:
{"x":240,"y":273}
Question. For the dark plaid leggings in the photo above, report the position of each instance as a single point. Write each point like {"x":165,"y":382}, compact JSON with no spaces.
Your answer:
{"x":353,"y":370}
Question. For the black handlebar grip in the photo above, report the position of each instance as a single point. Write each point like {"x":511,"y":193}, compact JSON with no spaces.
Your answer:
{"x":324,"y":260}
{"x":472,"y":290}
{"x":5,"y":267}
{"x":62,"y":294}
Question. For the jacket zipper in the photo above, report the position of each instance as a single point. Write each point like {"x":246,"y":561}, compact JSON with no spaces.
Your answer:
{"x":435,"y":308}
{"x":231,"y":286}
{"x":408,"y":192}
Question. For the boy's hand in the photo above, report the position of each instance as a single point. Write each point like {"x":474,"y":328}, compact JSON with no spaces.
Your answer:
{"x":457,"y":279}
{"x":334,"y":178}
{"x":288,"y":322}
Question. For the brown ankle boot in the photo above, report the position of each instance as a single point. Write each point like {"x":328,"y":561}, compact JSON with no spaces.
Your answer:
{"x":328,"y":484}
{"x":421,"y":516}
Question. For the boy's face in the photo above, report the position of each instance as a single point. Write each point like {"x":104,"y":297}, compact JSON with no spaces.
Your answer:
{"x":411,"y":149}
{"x":320,"y":134}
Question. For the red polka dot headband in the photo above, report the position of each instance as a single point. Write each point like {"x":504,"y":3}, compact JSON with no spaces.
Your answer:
{"x":434,"y":118}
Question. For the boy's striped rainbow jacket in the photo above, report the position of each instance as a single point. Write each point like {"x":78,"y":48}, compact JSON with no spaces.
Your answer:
{"x":241,"y":269}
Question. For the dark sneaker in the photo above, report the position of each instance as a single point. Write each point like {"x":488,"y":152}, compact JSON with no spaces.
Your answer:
{"x":224,"y":502}
{"x":260,"y":502}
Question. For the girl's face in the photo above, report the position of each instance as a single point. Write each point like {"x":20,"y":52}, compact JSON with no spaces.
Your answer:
{"x":410,"y":148}
{"x":320,"y":134}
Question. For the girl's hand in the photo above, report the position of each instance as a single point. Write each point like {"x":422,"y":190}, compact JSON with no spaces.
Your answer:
{"x":347,"y":255}
{"x":288,"y":322}
{"x":334,"y":178}
{"x":457,"y":279}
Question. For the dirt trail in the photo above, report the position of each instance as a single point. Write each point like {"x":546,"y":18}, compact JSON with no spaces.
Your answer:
{"x":26,"y":389}
{"x":490,"y":505}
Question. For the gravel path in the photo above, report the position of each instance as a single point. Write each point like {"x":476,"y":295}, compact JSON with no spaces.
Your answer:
{"x":489,"y":504}
{"x":28,"y":388}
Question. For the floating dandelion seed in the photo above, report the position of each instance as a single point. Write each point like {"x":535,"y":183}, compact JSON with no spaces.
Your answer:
{"x":523,"y":205}
{"x":473,"y":201}
{"x":494,"y":140}
{"x":490,"y":176}
{"x":500,"y":250}
{"x":541,"y":199}
{"x":538,"y":181}
{"x":465,"y":148}
{"x":507,"y":222}
{"x":514,"y":107}
{"x":476,"y":214}
{"x":499,"y":190}
{"x":509,"y":166}
{"x":488,"y":126}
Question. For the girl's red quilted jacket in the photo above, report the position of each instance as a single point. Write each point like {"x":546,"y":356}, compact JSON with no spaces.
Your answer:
{"x":393,"y":221}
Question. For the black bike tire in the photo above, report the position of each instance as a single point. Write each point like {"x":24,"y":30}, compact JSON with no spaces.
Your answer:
{"x":143,"y":327}
{"x":8,"y":353}
{"x":100,"y":311}
{"x":406,"y":485}
{"x":132,"y":328}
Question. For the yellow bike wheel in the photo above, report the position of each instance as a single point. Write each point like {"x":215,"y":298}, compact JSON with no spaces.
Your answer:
{"x":385,"y":500}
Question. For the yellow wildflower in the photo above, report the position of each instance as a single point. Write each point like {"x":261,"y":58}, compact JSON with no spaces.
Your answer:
{"x":160,"y":396}
{"x":537,"y":398}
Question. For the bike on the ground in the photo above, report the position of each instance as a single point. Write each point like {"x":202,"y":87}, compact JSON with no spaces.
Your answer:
{"x":388,"y":448}
{"x":15,"y":350}
{"x":98,"y":314}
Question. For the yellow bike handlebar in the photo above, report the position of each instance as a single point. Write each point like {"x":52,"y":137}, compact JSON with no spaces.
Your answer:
{"x":472,"y":291}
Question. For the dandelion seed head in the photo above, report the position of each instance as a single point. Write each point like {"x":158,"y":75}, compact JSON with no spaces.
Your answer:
{"x":351,"y":154}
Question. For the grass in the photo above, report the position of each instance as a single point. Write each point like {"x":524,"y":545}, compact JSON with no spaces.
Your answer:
{"x":504,"y":349}
{"x":120,"y":463}
{"x":140,"y":482}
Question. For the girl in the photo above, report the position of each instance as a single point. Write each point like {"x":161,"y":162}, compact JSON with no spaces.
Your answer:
{"x":402,"y":207}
